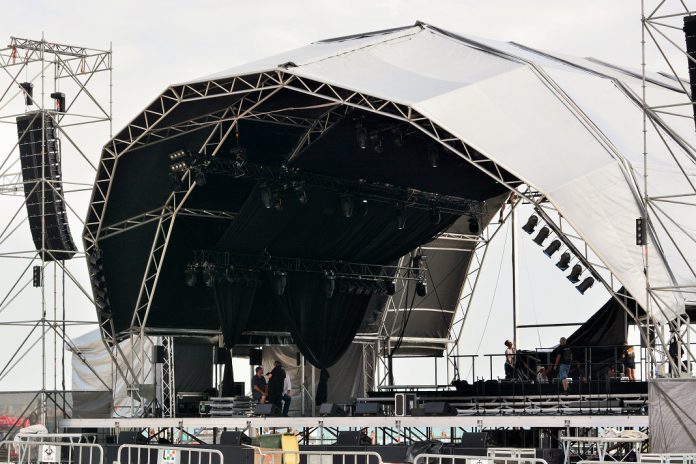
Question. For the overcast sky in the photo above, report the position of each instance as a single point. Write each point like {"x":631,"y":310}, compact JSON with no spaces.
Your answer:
{"x":157,"y":43}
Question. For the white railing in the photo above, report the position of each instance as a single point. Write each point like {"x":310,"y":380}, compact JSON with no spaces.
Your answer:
{"x":50,"y":451}
{"x":655,"y":458}
{"x":159,"y":454}
{"x":267,"y":456}
{"x":464,"y":459}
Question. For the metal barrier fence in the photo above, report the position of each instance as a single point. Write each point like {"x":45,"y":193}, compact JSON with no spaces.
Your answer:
{"x":267,"y":456}
{"x":155,"y":454}
{"x":57,"y":437}
{"x":51,"y":451}
{"x":464,"y":459}
{"x":656,"y":458}
{"x":516,"y":453}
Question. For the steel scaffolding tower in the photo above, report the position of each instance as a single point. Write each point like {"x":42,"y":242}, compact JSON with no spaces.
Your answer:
{"x":68,"y":89}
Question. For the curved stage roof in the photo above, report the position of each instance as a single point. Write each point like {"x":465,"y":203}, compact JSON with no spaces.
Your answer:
{"x":569,"y":128}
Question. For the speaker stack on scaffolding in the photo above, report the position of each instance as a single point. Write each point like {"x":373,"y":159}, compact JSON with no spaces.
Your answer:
{"x":51,"y":88}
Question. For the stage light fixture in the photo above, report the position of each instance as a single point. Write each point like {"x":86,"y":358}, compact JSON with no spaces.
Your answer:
{"x":238,"y":154}
{"x":564,"y":262}
{"x":400,"y":217}
{"x":266,"y":196}
{"x":574,"y":275}
{"x":280,"y":281}
{"x":585,"y":285}
{"x":329,"y":284}
{"x":361,"y":136}
{"x":347,"y":205}
{"x":552,"y":248}
{"x":531,"y":224}
{"x":541,"y":236}
{"x":376,"y":141}
{"x":37,"y":277}
{"x":28,"y":89}
{"x":421,"y":288}
{"x":435,"y":216}
{"x":363,"y":207}
{"x":474,"y":226}
{"x":178,"y":167}
{"x":229,"y":275}
{"x":177,"y":155}
{"x":199,"y":177}
{"x":397,"y":136}
{"x":433,"y":155}
{"x":209,"y":276}
{"x":390,"y":287}
{"x":190,"y":276}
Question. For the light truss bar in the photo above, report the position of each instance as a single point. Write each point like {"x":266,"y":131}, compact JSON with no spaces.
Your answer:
{"x":340,"y":269}
{"x":51,"y":47}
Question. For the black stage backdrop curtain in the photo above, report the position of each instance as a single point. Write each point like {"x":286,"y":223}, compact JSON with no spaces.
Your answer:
{"x":233,"y":302}
{"x":323,"y":328}
{"x":605,"y":333}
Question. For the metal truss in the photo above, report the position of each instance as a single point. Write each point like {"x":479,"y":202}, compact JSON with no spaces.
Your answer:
{"x":168,"y":386}
{"x":44,"y":65}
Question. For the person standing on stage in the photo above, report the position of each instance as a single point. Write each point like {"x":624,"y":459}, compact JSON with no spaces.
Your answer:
{"x":563,"y":361}
{"x":509,"y":360}
{"x":259,"y":388}
{"x":276,"y":380}
{"x":629,"y":361}
{"x":287,"y":387}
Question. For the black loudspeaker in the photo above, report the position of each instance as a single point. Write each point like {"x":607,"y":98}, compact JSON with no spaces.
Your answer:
{"x":48,"y":220}
{"x":330,"y":409}
{"x":255,"y":357}
{"x":131,"y":438}
{"x":158,"y":354}
{"x":234,"y":438}
{"x":474,"y":440}
{"x":690,"y":36}
{"x":348,"y":438}
{"x":439,"y":408}
{"x":551,"y":455}
{"x":403,"y":403}
{"x":367,"y":409}
{"x":267,"y":409}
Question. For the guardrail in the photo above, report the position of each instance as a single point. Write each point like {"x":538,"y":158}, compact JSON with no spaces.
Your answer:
{"x":465,"y":459}
{"x":34,"y":452}
{"x":656,"y":458}
{"x":157,"y":454}
{"x":316,"y":457}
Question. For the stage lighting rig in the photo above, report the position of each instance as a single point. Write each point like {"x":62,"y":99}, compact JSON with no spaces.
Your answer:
{"x":564,"y":262}
{"x":191,"y":275}
{"x":280,"y":281}
{"x":433,"y":155}
{"x":400,"y":216}
{"x":209,"y":275}
{"x":421,"y":288}
{"x":329,"y":284}
{"x":585,"y":285}
{"x":474,"y":227}
{"x":541,"y":236}
{"x":574,"y":275}
{"x":390,"y":287}
{"x":552,"y":248}
{"x":347,"y":205}
{"x":531,"y":224}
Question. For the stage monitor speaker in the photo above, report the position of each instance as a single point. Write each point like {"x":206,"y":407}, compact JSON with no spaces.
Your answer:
{"x":690,"y":36}
{"x":403,"y":403}
{"x":348,"y":438}
{"x":39,"y":155}
{"x":255,"y":357}
{"x":266,"y":409}
{"x":474,"y":440}
{"x":234,"y":438}
{"x":131,"y":438}
{"x":367,"y":409}
{"x":330,"y":409}
{"x":439,"y":408}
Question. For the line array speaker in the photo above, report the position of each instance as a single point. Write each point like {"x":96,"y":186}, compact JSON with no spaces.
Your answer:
{"x":43,"y":186}
{"x":690,"y":36}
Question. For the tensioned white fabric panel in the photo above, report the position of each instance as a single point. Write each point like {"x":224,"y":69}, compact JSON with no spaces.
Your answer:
{"x":485,"y":94}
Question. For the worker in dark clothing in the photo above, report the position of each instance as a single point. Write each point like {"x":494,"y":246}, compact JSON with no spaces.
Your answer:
{"x":563,"y":359}
{"x":276,"y":381}
{"x":259,"y":388}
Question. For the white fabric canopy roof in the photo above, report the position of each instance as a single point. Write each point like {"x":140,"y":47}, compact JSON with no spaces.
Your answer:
{"x":569,"y":127}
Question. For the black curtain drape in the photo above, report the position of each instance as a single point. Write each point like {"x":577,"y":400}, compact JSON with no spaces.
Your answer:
{"x":323,"y":328}
{"x":233,"y":302}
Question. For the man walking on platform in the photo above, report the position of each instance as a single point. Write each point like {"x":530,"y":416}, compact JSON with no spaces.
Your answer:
{"x":509,"y":360}
{"x":276,"y":380}
{"x":563,"y":356}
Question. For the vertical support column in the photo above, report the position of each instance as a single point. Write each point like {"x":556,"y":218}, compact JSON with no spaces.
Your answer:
{"x":515,"y":276}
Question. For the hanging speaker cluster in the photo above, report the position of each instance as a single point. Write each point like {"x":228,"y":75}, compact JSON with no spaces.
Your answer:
{"x":95,"y":267}
{"x":690,"y":36}
{"x":554,"y":246}
{"x":39,"y":154}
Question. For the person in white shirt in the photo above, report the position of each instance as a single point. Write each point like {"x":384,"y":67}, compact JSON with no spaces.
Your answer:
{"x":541,"y":376}
{"x":287,"y":387}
